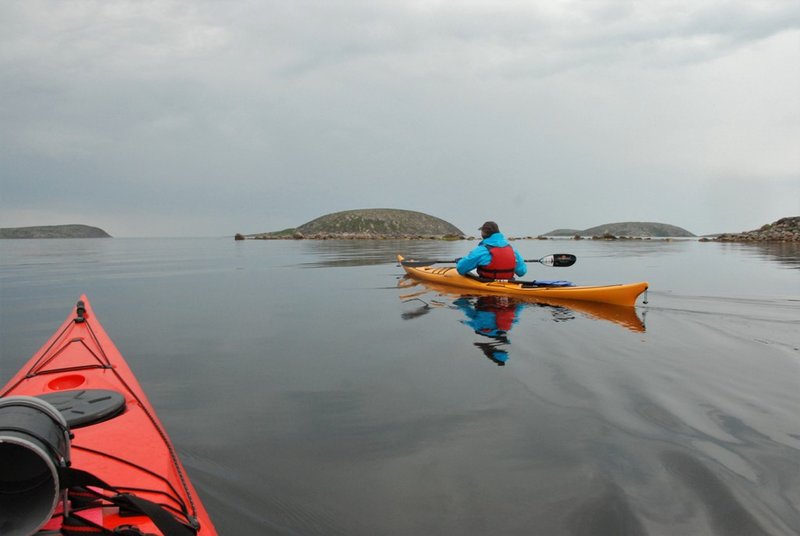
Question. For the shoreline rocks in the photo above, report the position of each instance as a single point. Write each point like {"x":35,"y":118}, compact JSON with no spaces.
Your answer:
{"x":297,"y":235}
{"x":783,"y":230}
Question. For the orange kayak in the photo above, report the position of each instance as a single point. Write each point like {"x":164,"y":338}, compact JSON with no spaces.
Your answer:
{"x":623,"y":294}
{"x":617,"y":314}
{"x":116,"y":437}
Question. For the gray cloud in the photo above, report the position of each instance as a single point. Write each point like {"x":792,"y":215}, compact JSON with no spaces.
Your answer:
{"x":219,"y":117}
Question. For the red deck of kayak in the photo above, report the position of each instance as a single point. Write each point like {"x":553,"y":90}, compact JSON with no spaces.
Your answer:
{"x":131,"y":451}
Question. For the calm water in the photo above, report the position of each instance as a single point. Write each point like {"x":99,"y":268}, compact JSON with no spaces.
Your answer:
{"x":311,"y":390}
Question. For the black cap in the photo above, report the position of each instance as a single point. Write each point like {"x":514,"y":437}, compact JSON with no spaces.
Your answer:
{"x":489,"y":227}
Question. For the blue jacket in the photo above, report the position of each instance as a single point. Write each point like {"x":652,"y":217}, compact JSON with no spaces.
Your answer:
{"x":480,"y":256}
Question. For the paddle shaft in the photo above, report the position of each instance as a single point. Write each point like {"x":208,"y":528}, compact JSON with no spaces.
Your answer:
{"x":559,"y":260}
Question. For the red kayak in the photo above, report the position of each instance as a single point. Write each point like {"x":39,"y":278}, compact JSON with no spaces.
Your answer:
{"x":118,"y":468}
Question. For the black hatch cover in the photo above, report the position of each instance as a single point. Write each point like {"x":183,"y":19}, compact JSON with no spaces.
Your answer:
{"x":82,"y":407}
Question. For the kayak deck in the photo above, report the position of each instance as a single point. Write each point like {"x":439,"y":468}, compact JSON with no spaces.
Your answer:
{"x":127,"y":448}
{"x":621,"y":294}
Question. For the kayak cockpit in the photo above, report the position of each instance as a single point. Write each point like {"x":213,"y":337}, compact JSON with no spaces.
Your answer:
{"x":536,"y":283}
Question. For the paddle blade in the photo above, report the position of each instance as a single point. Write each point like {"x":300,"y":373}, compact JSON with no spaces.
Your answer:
{"x":559,"y":260}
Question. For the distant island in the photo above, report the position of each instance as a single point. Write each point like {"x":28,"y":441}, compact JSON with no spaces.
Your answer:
{"x":375,"y":223}
{"x":54,"y":231}
{"x":626,"y":229}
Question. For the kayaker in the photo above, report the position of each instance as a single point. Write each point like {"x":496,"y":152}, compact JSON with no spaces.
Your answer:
{"x":494,"y":257}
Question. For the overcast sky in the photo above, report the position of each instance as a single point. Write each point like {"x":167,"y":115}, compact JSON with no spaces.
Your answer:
{"x":207,"y":118}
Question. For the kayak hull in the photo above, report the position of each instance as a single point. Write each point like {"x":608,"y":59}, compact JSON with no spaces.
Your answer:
{"x":621,"y":315}
{"x":129,"y":450}
{"x":622,"y":294}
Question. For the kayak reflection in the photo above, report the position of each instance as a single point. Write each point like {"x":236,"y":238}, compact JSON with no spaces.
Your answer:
{"x":561,"y":310}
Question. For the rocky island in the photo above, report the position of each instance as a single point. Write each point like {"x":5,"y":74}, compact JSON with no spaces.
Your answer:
{"x":371,"y":224}
{"x":783,"y":230}
{"x":632,"y":229}
{"x":54,"y":231}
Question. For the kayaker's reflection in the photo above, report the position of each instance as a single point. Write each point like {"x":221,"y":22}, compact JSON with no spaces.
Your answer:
{"x":491,"y":317}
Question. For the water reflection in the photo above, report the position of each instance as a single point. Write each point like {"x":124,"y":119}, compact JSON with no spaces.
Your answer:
{"x":786,"y":254}
{"x":492,"y":317}
{"x":350,"y":253}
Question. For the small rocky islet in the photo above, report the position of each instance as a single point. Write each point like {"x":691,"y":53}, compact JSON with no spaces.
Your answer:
{"x":783,"y":230}
{"x":54,"y":231}
{"x":639,"y":229}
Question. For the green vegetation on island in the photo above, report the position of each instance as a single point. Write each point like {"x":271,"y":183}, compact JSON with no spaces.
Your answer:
{"x":54,"y":231}
{"x":377,"y":223}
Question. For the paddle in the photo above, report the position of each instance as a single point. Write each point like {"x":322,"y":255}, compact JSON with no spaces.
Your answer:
{"x":558,"y":260}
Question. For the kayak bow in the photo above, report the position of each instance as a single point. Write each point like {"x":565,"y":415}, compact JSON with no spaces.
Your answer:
{"x":623,"y":294}
{"x":117,"y":438}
